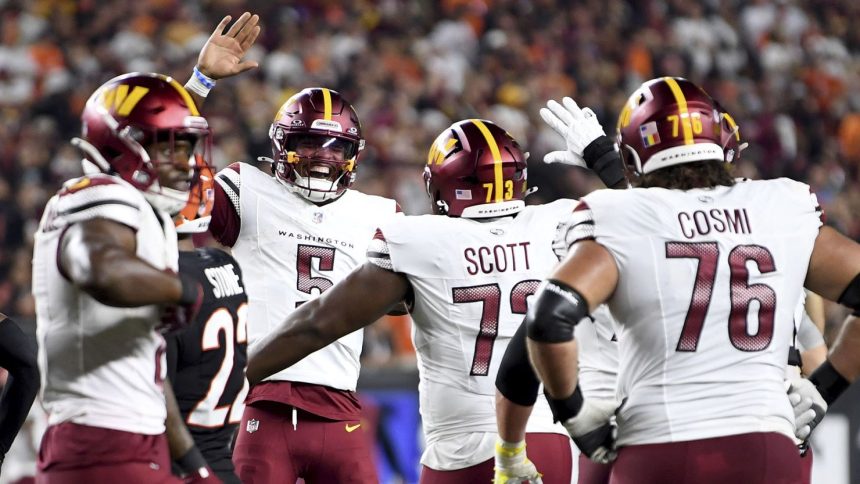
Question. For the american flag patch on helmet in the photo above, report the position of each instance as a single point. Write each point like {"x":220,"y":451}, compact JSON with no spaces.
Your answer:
{"x":463,"y":194}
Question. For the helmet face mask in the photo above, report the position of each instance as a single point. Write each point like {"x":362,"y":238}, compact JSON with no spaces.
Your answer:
{"x":476,"y":170}
{"x":316,"y":140}
{"x":145,"y":129}
{"x":669,"y":121}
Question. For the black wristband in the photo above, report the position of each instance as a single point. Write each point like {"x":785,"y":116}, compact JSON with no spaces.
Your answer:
{"x":829,"y":383}
{"x":566,"y":408}
{"x":602,"y":158}
{"x":191,"y":462}
{"x":190,"y":290}
{"x":794,"y":357}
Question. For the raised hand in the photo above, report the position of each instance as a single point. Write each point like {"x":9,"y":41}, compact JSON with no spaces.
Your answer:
{"x":578,"y":127}
{"x":222,"y":54}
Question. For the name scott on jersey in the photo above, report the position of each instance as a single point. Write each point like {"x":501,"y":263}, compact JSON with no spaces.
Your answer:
{"x":703,"y":222}
{"x":498,"y":258}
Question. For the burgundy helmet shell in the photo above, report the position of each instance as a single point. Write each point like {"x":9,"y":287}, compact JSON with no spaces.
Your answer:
{"x":475,"y":169}
{"x":669,"y":121}
{"x":316,"y":111}
{"x":129,"y":112}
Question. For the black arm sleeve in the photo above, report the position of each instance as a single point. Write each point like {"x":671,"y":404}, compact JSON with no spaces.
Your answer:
{"x":601,"y":157}
{"x":18,"y":357}
{"x":516,"y":379}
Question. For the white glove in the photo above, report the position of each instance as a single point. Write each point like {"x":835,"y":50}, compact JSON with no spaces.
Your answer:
{"x":809,"y":406}
{"x":512,"y":465}
{"x":592,"y":430}
{"x":578,"y":127}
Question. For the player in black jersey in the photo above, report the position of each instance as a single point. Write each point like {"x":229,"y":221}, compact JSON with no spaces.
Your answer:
{"x":206,"y":362}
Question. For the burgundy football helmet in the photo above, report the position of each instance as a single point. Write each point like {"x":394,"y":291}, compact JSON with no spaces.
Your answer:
{"x":316,"y":140}
{"x":132,"y":112}
{"x":669,"y":121}
{"x":475,"y":169}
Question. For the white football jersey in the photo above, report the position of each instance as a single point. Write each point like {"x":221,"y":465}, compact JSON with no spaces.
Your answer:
{"x":292,"y":250}
{"x":472,"y":281}
{"x":709,"y":280}
{"x":101,"y":366}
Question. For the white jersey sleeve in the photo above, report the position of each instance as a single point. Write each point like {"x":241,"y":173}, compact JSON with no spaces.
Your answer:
{"x":708,"y":282}
{"x":95,"y":196}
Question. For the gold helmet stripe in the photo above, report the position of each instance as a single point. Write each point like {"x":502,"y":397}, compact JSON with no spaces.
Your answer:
{"x":185,"y":96}
{"x":683,"y":112}
{"x":326,"y":104}
{"x":497,"y":157}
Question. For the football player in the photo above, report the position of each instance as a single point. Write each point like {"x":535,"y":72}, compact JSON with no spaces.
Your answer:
{"x":206,"y":361}
{"x":702,"y":371}
{"x":468,"y":271}
{"x":516,"y":383}
{"x":104,"y":275}
{"x":296,"y":231}
{"x":18,"y":357}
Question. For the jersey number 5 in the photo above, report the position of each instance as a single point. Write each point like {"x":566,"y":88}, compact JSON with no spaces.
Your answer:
{"x":304,"y":281}
{"x":490,"y":295}
{"x":741,"y":292}
{"x":207,"y":413}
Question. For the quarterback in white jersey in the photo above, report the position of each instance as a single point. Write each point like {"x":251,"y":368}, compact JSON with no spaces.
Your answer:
{"x":702,"y":273}
{"x":468,"y":272}
{"x":104,"y":269}
{"x":296,"y":232}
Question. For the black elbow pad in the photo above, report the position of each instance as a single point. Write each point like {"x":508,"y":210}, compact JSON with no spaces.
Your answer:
{"x":516,"y":379}
{"x":555,"y":312}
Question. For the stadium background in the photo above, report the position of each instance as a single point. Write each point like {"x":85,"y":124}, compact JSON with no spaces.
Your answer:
{"x":788,"y":71}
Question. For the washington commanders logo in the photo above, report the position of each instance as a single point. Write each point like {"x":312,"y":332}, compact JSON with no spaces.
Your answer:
{"x":119,"y":100}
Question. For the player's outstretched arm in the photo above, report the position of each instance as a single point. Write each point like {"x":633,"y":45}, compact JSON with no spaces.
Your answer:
{"x":834,"y":273}
{"x":366,"y":295}
{"x":222,"y":55}
{"x":99,"y":256}
{"x":18,"y":357}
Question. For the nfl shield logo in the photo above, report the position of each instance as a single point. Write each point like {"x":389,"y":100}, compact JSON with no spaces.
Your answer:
{"x":318,"y":217}
{"x":252,"y":426}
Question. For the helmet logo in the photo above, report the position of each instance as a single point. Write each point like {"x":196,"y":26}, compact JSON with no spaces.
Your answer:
{"x":298,"y":123}
{"x":649,"y":133}
{"x":352,"y":130}
{"x":438,"y":152}
{"x":326,"y":124}
{"x":119,"y":100}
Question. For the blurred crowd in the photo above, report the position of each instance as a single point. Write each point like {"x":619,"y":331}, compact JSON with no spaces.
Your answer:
{"x":788,"y":71}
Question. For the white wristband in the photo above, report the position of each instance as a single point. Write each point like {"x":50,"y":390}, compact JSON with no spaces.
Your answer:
{"x":199,"y":83}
